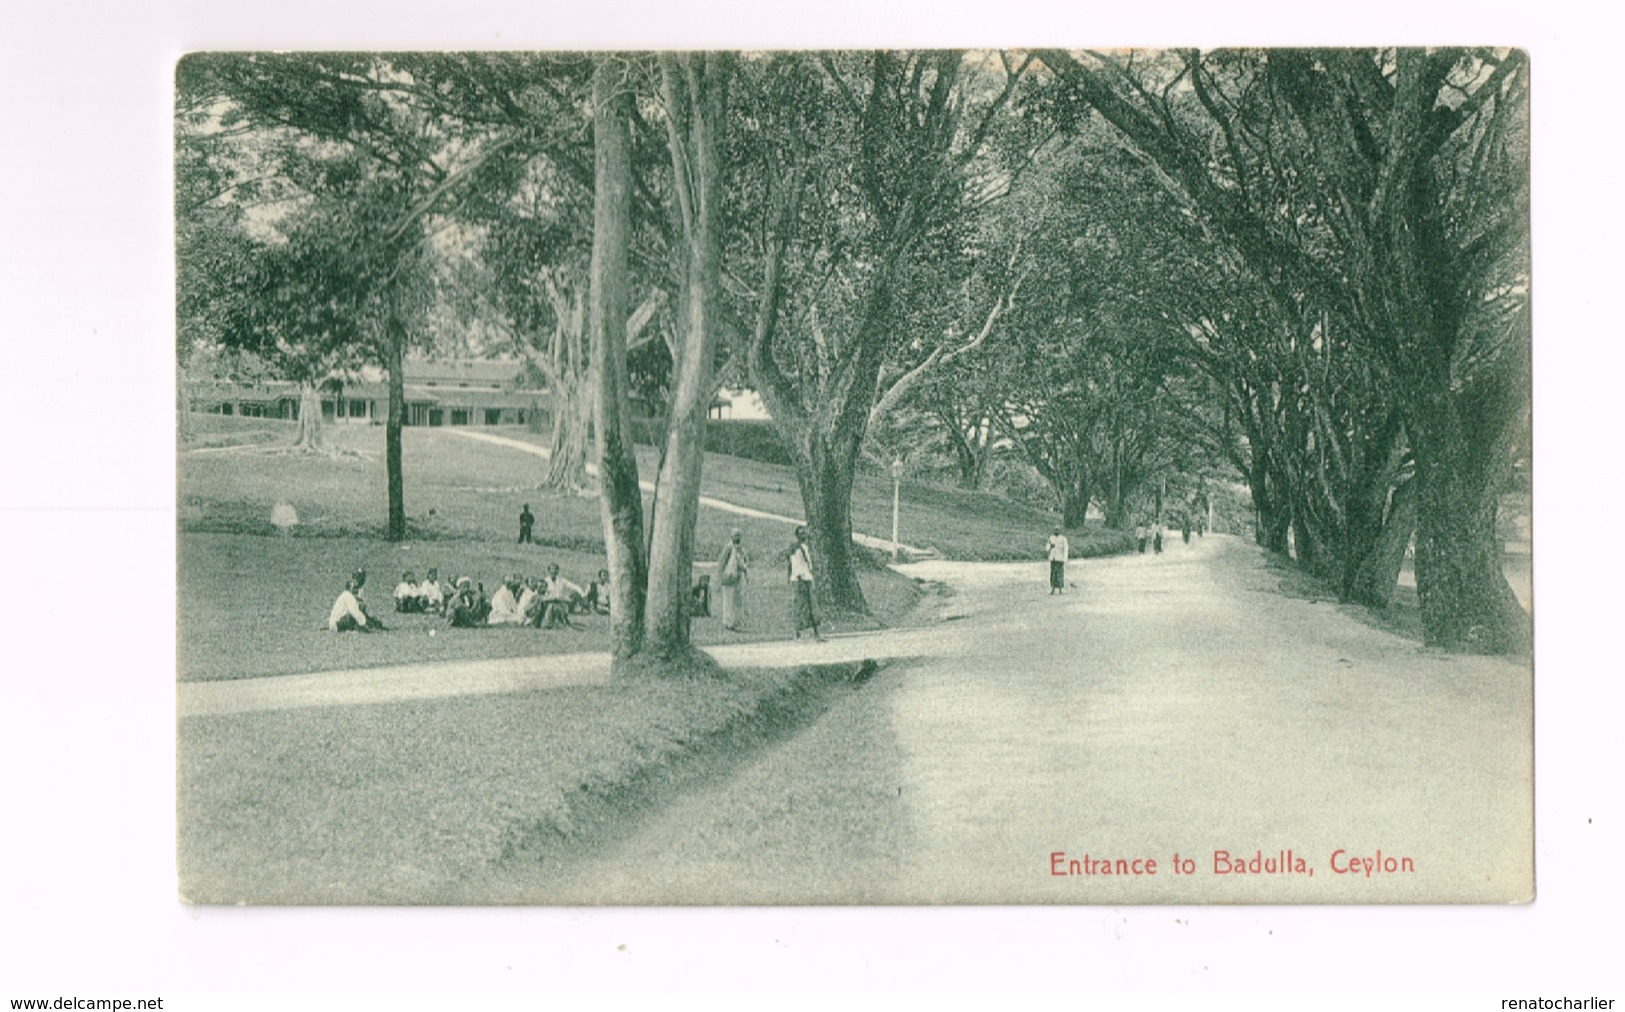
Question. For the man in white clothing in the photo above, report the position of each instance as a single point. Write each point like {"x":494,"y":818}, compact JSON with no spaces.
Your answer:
{"x":347,"y":614}
{"x":430,"y":593}
{"x":505,"y":605}
{"x":801,"y":586}
{"x":557,"y":595}
{"x":1059,"y":551}
{"x":407,"y":598}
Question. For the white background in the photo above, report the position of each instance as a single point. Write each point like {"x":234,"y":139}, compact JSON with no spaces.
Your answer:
{"x":87,"y":888}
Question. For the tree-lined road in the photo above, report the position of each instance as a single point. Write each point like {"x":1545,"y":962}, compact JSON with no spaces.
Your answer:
{"x":1166,"y":704}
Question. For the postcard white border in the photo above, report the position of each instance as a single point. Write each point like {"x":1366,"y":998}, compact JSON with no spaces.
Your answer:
{"x":88,"y":886}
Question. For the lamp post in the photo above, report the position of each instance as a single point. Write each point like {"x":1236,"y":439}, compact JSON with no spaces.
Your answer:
{"x":896,"y":501}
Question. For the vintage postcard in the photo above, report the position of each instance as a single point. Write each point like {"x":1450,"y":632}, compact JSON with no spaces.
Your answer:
{"x":854,"y":477}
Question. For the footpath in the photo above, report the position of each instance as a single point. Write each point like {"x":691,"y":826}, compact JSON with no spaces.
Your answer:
{"x":521,"y":674}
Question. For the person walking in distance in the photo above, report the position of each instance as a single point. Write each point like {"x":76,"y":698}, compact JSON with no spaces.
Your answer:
{"x":732,"y":569}
{"x":801,"y":586}
{"x":1139,"y":536}
{"x":527,"y":520}
{"x":1059,"y":550}
{"x":1156,"y":537}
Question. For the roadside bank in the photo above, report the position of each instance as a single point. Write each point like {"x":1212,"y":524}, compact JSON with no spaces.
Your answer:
{"x":420,"y":801}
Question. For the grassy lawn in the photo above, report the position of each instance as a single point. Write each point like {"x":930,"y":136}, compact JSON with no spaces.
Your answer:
{"x":254,"y":601}
{"x":254,"y":605}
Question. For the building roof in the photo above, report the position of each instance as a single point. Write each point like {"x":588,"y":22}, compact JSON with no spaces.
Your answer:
{"x":444,"y":397}
{"x":268,"y":392}
{"x":476,"y":395}
{"x":475,"y":372}
{"x":475,"y":398}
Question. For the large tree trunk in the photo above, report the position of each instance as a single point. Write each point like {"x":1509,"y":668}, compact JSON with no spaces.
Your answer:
{"x":1075,"y":504}
{"x":694,"y":87}
{"x":1306,"y":546}
{"x":970,"y":457}
{"x":826,"y":490}
{"x":567,"y":441}
{"x":566,"y":366}
{"x":620,"y":499}
{"x":1379,"y":517}
{"x":1460,"y":576}
{"x":1274,"y":517}
{"x":395,"y":335}
{"x":310,"y":435}
{"x":1118,"y":500}
{"x":1274,"y":524}
{"x":972,"y":443}
{"x":1377,"y":573}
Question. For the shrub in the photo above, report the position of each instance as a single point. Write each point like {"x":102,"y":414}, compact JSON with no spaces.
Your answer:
{"x":747,"y":438}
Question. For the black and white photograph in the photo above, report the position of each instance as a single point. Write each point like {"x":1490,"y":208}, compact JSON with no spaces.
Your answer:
{"x":810,"y":477}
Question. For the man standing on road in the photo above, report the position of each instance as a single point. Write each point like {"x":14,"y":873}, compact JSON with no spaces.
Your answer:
{"x":801,"y":586}
{"x":526,"y":521}
{"x":1059,"y":550}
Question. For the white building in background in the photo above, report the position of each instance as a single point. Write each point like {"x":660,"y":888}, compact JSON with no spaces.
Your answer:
{"x":744,"y":405}
{"x":458,"y":392}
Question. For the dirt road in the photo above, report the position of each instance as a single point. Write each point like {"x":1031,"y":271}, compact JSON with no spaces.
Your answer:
{"x":1173,"y":704}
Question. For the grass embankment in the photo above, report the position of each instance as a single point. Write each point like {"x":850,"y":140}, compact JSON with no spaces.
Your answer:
{"x":455,"y":800}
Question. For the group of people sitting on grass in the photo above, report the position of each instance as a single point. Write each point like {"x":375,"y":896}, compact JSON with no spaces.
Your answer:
{"x":545,"y":602}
